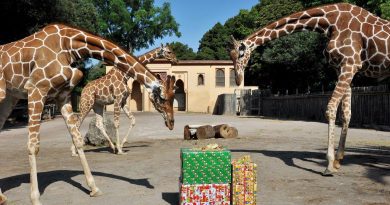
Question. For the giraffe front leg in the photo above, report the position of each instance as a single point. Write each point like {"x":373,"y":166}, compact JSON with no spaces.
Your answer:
{"x":35,"y":108}
{"x":117,"y":113}
{"x":100,"y":125}
{"x":346,"y":117}
{"x":71,"y":121}
{"x":3,"y":198}
{"x":344,"y":81}
{"x":132,"y":124}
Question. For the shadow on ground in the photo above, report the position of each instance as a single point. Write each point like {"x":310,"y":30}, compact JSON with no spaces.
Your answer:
{"x":47,"y":178}
{"x":375,"y":159}
{"x":109,"y":150}
{"x":171,"y":197}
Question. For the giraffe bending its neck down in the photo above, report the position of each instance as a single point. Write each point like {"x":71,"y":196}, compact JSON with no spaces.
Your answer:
{"x":40,"y":67}
{"x":112,"y":88}
{"x":358,"y":42}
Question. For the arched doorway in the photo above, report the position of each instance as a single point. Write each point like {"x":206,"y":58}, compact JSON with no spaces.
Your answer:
{"x":180,"y":96}
{"x":136,"y":97}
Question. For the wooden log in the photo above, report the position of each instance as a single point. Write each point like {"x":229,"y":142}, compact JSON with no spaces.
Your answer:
{"x":232,"y":132}
{"x":205,"y":132}
{"x":189,"y":133}
{"x":194,"y":126}
{"x":221,"y":130}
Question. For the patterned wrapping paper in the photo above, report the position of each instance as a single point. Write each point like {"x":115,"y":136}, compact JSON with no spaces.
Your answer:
{"x":205,"y":167}
{"x":205,"y":194}
{"x":244,"y":183}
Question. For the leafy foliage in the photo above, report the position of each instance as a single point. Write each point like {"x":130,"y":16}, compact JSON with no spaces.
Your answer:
{"x":182,"y":51}
{"x":23,"y":17}
{"x":291,"y":62}
{"x":135,"y":24}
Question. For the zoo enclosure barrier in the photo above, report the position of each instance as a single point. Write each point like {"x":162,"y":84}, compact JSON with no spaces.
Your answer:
{"x":370,"y":106}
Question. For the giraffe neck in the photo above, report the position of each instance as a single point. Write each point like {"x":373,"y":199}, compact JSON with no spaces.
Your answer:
{"x":150,"y":56}
{"x":84,"y":45}
{"x":316,"y":19}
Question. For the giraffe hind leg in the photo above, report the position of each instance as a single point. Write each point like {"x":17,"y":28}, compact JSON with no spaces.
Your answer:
{"x":346,"y":117}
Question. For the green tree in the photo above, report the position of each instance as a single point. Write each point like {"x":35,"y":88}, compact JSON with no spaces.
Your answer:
{"x":23,"y":17}
{"x":213,"y":44}
{"x":135,"y":24}
{"x":182,"y":51}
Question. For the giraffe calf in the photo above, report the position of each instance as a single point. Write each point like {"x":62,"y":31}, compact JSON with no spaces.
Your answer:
{"x":112,"y":89}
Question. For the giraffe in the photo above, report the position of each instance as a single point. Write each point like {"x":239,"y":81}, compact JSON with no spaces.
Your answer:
{"x":41,"y":67}
{"x":358,"y":42}
{"x":112,"y":89}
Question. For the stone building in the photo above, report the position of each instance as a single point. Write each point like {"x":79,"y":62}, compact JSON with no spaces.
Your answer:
{"x":199,"y":82}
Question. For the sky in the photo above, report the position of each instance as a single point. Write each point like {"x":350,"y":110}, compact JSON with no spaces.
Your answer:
{"x":196,"y":17}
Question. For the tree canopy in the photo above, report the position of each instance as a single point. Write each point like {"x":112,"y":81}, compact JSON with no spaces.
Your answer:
{"x":291,"y":62}
{"x":182,"y":51}
{"x":23,"y":17}
{"x":135,"y":24}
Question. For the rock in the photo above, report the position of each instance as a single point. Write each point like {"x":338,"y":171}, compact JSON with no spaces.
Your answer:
{"x":95,"y":137}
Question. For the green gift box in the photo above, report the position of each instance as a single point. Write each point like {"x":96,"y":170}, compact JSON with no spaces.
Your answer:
{"x":205,"y":167}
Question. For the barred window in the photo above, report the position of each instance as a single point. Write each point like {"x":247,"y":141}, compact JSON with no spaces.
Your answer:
{"x":220,"y":77}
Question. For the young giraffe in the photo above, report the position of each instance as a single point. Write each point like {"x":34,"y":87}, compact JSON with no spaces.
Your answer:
{"x":40,"y":67}
{"x":112,"y":88}
{"x":359,"y":41}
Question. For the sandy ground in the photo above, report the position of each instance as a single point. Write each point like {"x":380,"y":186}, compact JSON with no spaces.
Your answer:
{"x":290,"y":155}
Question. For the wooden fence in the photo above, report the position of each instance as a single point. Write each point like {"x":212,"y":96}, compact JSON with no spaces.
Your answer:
{"x":370,"y":106}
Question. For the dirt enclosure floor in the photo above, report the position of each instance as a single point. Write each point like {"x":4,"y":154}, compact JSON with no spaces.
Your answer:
{"x":290,"y":156}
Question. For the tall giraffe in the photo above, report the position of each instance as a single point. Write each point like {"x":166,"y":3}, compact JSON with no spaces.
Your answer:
{"x":41,"y":67}
{"x":358,"y":42}
{"x":112,"y":89}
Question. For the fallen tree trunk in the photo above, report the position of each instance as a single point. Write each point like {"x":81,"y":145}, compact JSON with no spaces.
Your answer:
{"x":205,"y":132}
{"x":221,"y":131}
{"x":232,"y":132}
{"x":189,"y":133}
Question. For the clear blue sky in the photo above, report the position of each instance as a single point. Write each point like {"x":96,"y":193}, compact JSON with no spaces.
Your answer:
{"x":196,"y":17}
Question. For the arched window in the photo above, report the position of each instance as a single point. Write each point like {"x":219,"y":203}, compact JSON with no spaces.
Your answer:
{"x":200,"y":79}
{"x":220,"y":77}
{"x":232,"y":78}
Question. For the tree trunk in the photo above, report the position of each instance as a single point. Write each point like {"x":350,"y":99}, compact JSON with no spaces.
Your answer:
{"x":232,"y":132}
{"x":205,"y":132}
{"x":221,"y":131}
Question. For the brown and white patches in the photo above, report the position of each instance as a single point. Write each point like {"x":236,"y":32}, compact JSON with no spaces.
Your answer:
{"x":358,"y":41}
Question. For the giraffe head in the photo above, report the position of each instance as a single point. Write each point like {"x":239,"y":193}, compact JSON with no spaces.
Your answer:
{"x":167,"y":53}
{"x":240,"y":56}
{"x":162,"y":99}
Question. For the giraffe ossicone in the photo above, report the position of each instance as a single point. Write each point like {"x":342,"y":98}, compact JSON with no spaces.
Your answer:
{"x":358,"y":42}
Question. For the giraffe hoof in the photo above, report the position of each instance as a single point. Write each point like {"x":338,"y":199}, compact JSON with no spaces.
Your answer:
{"x":121,"y":153}
{"x":328,"y":173}
{"x":75,"y":155}
{"x":96,"y":193}
{"x":336,"y":164}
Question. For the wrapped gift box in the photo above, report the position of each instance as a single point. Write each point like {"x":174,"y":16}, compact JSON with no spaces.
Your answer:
{"x":204,"y":194}
{"x":205,"y":166}
{"x":244,"y":183}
